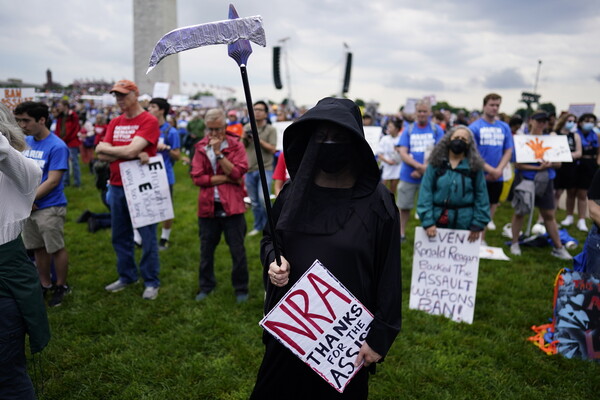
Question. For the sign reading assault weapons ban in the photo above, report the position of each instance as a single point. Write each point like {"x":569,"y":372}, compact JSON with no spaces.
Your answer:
{"x":533,"y":148}
{"x":444,"y":274}
{"x":323,"y":324}
{"x":147,"y":191}
{"x":12,"y":97}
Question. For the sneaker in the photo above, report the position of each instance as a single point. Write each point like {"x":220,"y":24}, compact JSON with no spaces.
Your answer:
{"x":515,"y":249}
{"x":58,"y":295}
{"x":491,"y":226}
{"x":241,"y":298}
{"x":116,"y":286}
{"x":163,"y":244}
{"x":202,"y":295}
{"x":581,"y":225}
{"x":567,"y":221}
{"x":46,"y":290}
{"x":561,"y":253}
{"x":253,"y":232}
{"x":84,"y":217}
{"x":150,"y":293}
{"x":92,"y":225}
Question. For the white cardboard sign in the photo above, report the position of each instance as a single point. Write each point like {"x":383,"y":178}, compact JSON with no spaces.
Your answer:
{"x":533,"y":148}
{"x":322,"y":323}
{"x":147,"y":191}
{"x":12,"y":97}
{"x":444,"y":274}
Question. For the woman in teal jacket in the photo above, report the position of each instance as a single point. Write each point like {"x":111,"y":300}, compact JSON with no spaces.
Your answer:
{"x":453,"y":192}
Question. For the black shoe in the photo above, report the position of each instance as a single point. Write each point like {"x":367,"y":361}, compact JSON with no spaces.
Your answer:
{"x":58,"y":295}
{"x":84,"y":217}
{"x":46,"y":290}
{"x":92,"y":225}
{"x":163,"y":244}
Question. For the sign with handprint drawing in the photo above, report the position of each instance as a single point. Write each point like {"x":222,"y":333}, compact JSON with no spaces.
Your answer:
{"x":536,"y":148}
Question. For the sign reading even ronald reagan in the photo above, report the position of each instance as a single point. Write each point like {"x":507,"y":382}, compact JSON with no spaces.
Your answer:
{"x":323,"y":324}
{"x":444,"y":274}
{"x":147,"y":191}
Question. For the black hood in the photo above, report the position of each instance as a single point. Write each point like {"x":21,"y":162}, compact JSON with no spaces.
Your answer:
{"x":342,"y":112}
{"x":313,"y":209}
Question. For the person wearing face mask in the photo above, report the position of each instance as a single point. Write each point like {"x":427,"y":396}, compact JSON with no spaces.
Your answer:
{"x":453,"y":191}
{"x":587,"y":166}
{"x":334,"y":209}
{"x":566,"y":175}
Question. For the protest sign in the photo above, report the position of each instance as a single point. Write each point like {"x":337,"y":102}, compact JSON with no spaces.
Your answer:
{"x":444,"y":274}
{"x":161,"y":89}
{"x":322,"y":323}
{"x":12,"y":97}
{"x":492,"y":253}
{"x":579,"y":109}
{"x":533,"y":148}
{"x":577,"y":316}
{"x":147,"y":191}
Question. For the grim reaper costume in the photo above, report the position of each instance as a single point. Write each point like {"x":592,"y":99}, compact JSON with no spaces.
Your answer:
{"x":354,"y":232}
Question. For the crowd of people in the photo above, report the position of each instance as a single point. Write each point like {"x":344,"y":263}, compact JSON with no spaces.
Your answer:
{"x":347,"y":204}
{"x":444,"y":173}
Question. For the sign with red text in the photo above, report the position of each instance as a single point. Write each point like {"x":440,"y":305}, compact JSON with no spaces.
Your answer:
{"x":323,"y":324}
{"x":12,"y":97}
{"x":444,"y":274}
{"x":535,"y":148}
{"x":147,"y":191}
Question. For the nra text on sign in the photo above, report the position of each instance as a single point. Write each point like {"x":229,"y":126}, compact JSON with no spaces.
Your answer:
{"x":322,"y":323}
{"x":147,"y":191}
{"x":444,"y":275}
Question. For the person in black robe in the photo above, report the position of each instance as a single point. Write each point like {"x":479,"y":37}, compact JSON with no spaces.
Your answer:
{"x":333,"y":209}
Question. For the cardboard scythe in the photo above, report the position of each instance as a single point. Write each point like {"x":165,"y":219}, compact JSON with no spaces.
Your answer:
{"x":237,"y":33}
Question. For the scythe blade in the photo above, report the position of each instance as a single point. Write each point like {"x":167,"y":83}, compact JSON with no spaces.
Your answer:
{"x":220,"y":32}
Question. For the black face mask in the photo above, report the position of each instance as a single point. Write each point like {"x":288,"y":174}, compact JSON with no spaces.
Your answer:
{"x":333,"y":157}
{"x":458,"y":146}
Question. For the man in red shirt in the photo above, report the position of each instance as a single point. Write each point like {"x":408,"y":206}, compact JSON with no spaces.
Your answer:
{"x":218,"y":167}
{"x":133,"y":134}
{"x":67,"y":128}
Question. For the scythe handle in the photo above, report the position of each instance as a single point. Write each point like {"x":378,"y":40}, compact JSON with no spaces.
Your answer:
{"x":261,"y":165}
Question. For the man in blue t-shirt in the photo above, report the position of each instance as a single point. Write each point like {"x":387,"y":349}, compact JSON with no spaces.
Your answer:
{"x":44,"y":229}
{"x":495,"y":144}
{"x":169,"y":146}
{"x":416,"y":142}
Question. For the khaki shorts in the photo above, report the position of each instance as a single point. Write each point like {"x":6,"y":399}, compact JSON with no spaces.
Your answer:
{"x":45,"y":228}
{"x":406,"y":195}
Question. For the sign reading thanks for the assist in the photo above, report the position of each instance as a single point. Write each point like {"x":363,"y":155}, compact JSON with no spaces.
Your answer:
{"x":147,"y":191}
{"x":444,"y":274}
{"x":322,"y":323}
{"x":535,"y":148}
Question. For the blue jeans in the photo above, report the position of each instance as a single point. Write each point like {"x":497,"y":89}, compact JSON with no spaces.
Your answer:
{"x":255,"y":193}
{"x":592,"y":247}
{"x":122,"y":241}
{"x":74,"y":161}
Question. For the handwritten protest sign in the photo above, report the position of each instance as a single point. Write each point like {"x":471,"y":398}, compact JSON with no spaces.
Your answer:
{"x":322,"y":323}
{"x":577,"y":316}
{"x":11,"y":97}
{"x":147,"y":191}
{"x":553,"y":148}
{"x":444,"y":275}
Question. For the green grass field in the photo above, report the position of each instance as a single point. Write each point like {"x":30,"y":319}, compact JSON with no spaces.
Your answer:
{"x":119,"y":346}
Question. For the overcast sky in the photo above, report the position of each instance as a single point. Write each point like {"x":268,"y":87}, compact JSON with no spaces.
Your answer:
{"x":458,"y":50}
